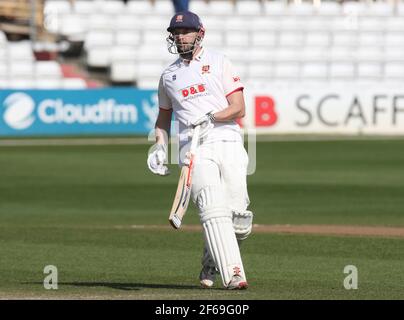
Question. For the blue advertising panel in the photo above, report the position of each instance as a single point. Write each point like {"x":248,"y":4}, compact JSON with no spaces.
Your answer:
{"x":77,"y":112}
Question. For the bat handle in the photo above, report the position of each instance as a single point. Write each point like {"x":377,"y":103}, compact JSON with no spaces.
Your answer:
{"x":195,"y":139}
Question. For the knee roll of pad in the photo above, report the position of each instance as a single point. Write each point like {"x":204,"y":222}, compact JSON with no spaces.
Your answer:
{"x":242,"y":224}
{"x":211,"y":203}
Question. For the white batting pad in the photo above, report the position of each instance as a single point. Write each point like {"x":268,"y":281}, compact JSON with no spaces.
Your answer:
{"x":223,"y":247}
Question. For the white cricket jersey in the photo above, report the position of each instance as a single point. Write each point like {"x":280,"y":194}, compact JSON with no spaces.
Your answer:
{"x":193,"y":89}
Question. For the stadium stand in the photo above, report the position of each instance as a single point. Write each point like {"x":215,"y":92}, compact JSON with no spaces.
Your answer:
{"x":267,"y":40}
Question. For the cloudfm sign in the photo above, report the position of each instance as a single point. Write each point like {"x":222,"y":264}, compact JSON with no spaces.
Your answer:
{"x":70,"y":112}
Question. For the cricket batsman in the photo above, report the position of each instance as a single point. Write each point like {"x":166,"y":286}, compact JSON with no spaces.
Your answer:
{"x":202,"y":88}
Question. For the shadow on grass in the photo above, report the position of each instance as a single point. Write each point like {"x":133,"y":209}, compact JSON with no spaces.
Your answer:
{"x":126,"y":286}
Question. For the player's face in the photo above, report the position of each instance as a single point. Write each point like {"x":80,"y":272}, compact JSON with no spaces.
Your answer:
{"x":184,"y":39}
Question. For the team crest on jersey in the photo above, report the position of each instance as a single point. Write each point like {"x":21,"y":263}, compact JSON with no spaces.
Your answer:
{"x":205,"y":69}
{"x":174,"y":77}
{"x":235,"y":79}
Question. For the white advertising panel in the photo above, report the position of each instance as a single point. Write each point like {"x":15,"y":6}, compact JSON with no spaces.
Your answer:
{"x":348,"y":108}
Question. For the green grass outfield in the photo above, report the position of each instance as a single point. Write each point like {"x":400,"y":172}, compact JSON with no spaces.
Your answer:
{"x":75,"y":207}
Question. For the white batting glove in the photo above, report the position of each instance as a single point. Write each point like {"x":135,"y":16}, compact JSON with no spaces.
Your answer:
{"x":206,"y":123}
{"x":156,"y":160}
{"x":187,"y":159}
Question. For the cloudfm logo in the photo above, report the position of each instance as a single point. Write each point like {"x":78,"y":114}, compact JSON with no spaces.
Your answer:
{"x":19,"y":111}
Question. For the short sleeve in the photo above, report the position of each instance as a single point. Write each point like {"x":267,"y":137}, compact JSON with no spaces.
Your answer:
{"x":231,"y":79}
{"x":164,"y":100}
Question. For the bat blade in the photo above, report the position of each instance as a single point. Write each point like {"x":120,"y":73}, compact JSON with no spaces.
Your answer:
{"x":181,"y":199}
{"x":183,"y":193}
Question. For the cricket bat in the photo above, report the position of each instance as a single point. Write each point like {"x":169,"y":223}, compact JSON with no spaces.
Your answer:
{"x":183,"y":193}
